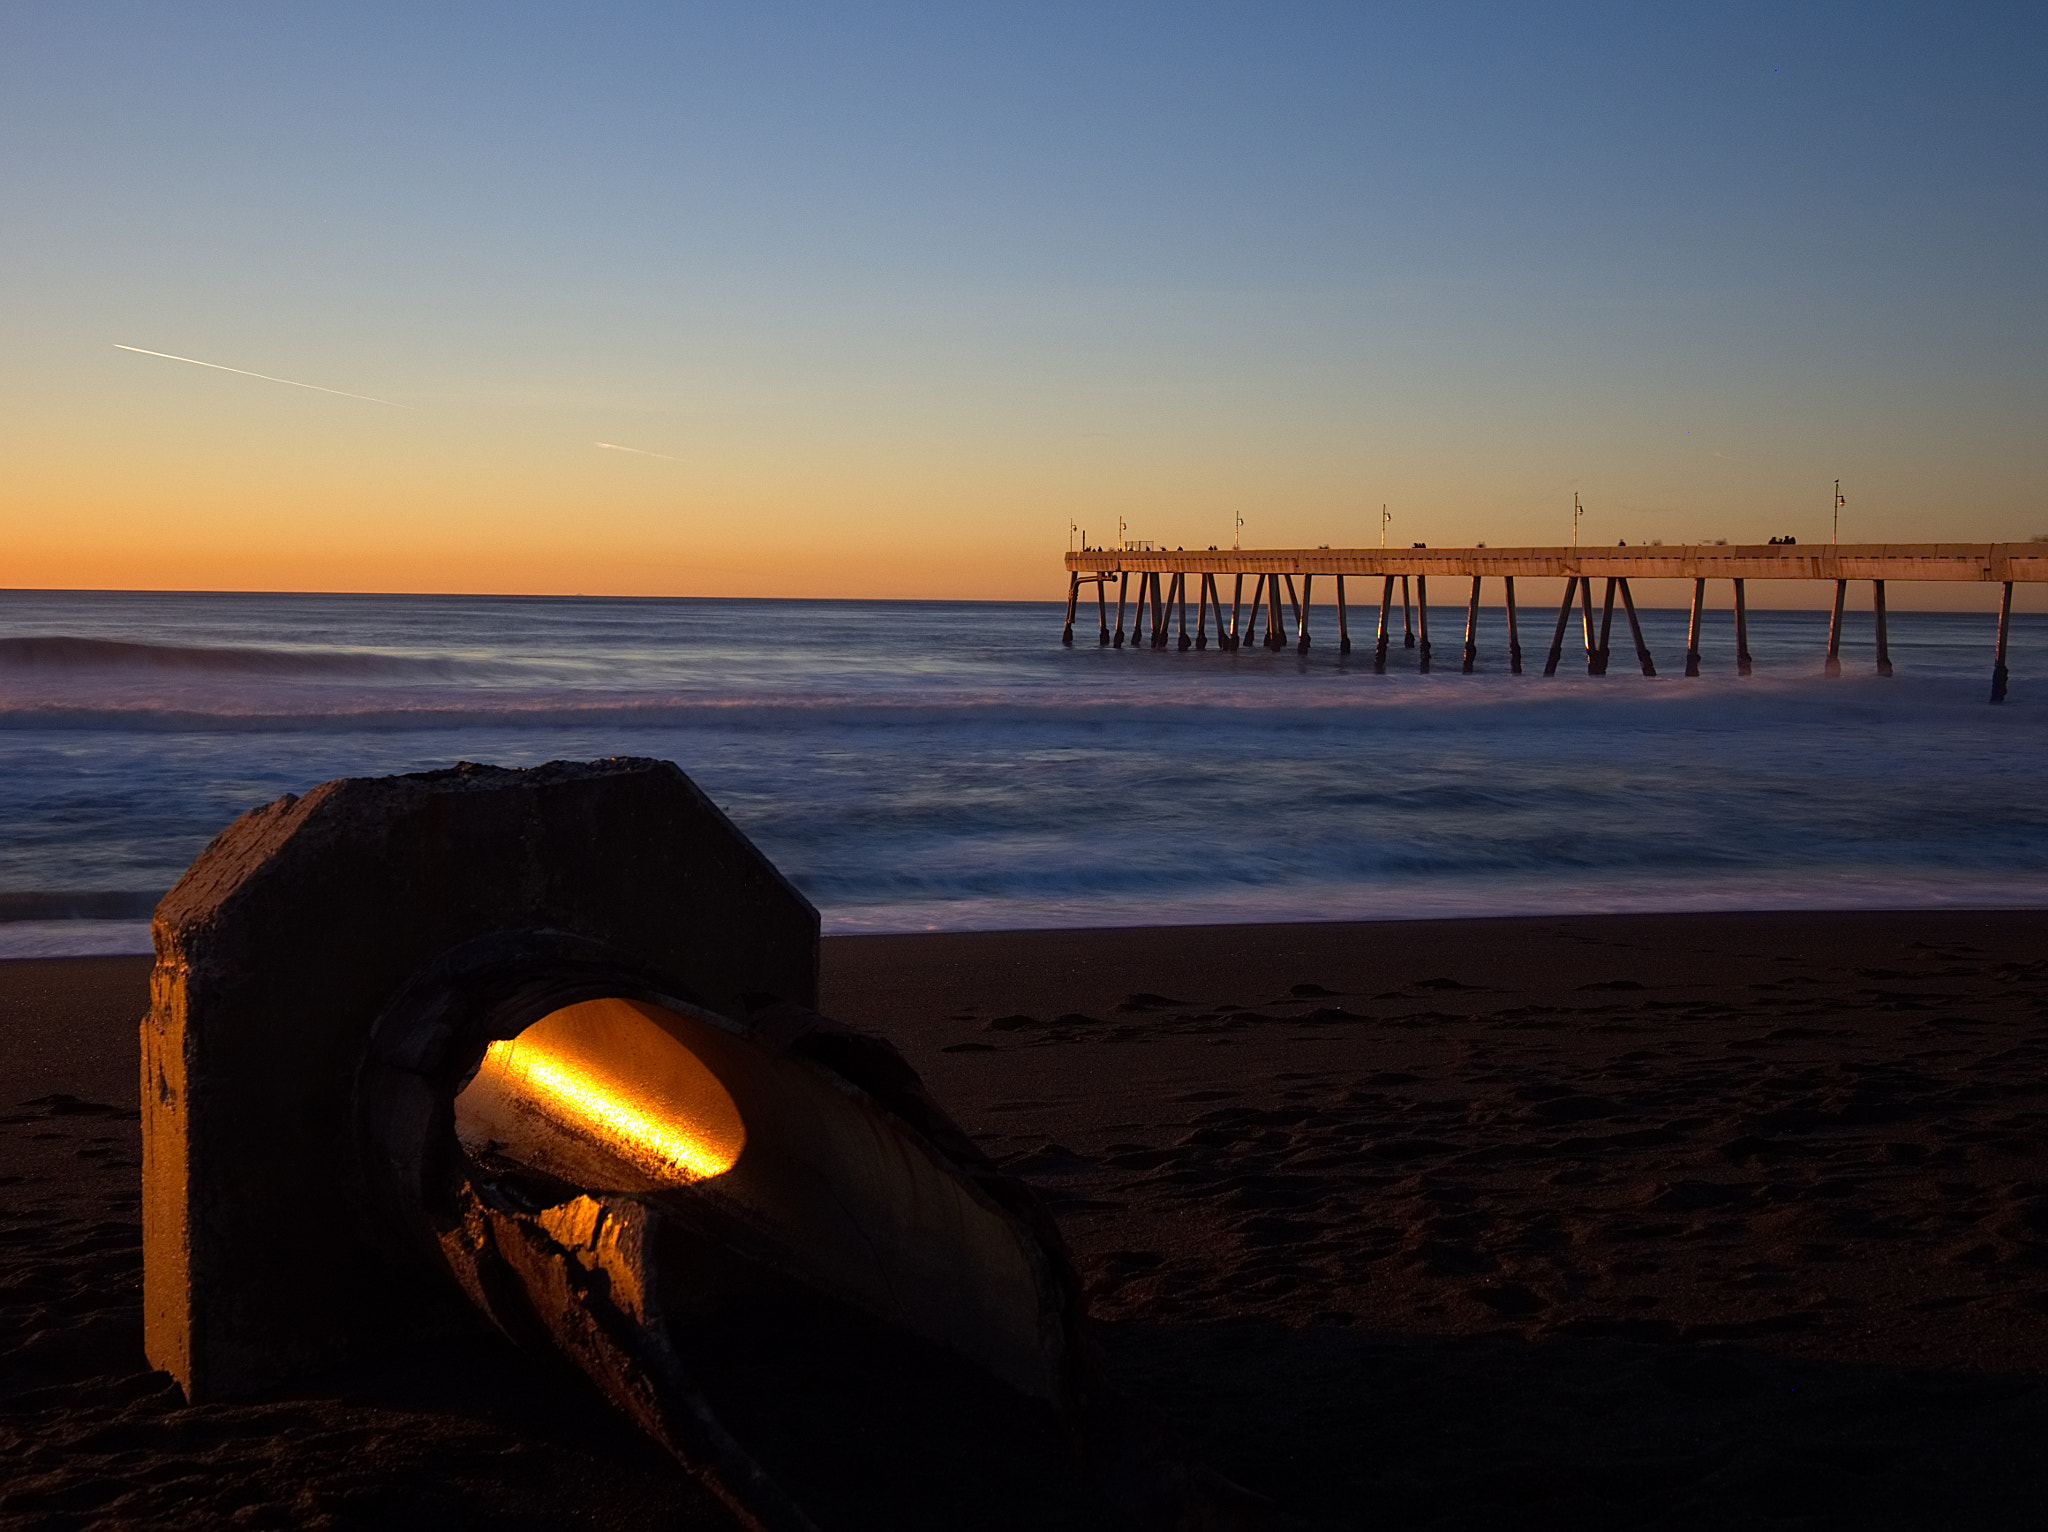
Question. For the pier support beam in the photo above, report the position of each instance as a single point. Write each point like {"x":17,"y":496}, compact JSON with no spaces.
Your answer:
{"x":1202,"y":612}
{"x":1472,"y":628}
{"x":1692,"y":630}
{"x":1422,"y":622}
{"x":1102,"y":608}
{"x":1236,"y":604}
{"x":1407,"y":622}
{"x":1073,"y":599}
{"x":1884,"y":642}
{"x":1160,"y":616}
{"x":1635,"y":630}
{"x":1593,"y":666}
{"x":1180,"y":590}
{"x":1343,"y":625}
{"x":1998,"y":661}
{"x":1742,"y":665}
{"x":1123,"y":589}
{"x":1564,"y":620}
{"x":1379,"y":648}
{"x":1301,"y":612}
{"x":1834,"y":664}
{"x":1514,"y":632}
{"x":1607,"y":623}
{"x":1276,"y":620}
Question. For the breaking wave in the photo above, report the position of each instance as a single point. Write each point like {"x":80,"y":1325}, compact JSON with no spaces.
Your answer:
{"x":57,"y":904}
{"x":69,"y":652}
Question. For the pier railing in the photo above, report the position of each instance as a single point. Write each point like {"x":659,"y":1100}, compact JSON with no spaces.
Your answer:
{"x":1162,"y":577}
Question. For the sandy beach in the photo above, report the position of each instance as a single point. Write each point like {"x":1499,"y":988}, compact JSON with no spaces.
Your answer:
{"x":1685,"y":1221}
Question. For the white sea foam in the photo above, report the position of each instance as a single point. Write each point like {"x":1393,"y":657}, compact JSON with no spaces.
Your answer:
{"x":73,"y":938}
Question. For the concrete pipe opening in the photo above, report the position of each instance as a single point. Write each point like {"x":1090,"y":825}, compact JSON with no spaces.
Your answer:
{"x":605,"y":1093}
{"x":764,"y":1172}
{"x":759,"y":1238}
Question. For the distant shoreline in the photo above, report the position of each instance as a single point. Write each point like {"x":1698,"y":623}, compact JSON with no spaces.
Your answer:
{"x":35,"y":938}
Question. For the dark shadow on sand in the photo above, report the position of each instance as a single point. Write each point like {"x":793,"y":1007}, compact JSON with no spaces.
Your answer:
{"x":1355,"y":1429}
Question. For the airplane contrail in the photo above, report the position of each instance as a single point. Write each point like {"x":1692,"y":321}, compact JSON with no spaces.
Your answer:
{"x":615,"y":447}
{"x":266,"y":377}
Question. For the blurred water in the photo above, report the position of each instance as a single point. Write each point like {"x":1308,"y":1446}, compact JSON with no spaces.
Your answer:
{"x":939,"y":765}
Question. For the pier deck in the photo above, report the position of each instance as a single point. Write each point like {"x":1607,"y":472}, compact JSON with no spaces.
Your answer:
{"x":1163,"y":574}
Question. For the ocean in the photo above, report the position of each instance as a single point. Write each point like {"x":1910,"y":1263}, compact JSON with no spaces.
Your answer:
{"x":950,"y":766}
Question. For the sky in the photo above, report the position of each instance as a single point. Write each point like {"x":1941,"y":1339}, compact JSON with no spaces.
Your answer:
{"x":887,"y":298}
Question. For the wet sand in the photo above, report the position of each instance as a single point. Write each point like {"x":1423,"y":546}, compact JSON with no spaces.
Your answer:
{"x":1695,"y":1221}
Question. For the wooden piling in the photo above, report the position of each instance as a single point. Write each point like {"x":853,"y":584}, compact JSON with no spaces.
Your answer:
{"x":1998,"y":661}
{"x":1564,"y":620}
{"x":1236,"y":604}
{"x":1407,"y":622}
{"x":1606,"y":623}
{"x":1834,"y":662}
{"x":1180,"y":588}
{"x":1635,"y":629}
{"x":1514,"y":632}
{"x":1472,"y":628}
{"x":1102,"y":609}
{"x":1884,"y":644}
{"x":1742,"y":665}
{"x":1586,"y":612}
{"x":1073,"y":599}
{"x":1159,"y":614}
{"x":1343,"y":626}
{"x":1422,"y":622}
{"x":1276,"y":620}
{"x":1692,"y":632}
{"x":1301,"y":612}
{"x":1256,"y":610}
{"x":1123,"y":589}
{"x":1379,"y":648}
{"x":1202,"y":612}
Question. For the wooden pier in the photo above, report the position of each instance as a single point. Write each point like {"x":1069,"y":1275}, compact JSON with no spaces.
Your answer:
{"x":1163,"y":588}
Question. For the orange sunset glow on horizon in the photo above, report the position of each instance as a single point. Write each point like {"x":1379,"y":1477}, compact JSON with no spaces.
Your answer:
{"x":856,"y":312}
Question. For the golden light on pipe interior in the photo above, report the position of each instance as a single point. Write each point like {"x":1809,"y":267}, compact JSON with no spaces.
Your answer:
{"x":603,"y":1094}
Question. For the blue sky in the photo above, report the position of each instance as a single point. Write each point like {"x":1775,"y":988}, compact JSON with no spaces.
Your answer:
{"x":949,"y":276}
